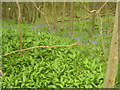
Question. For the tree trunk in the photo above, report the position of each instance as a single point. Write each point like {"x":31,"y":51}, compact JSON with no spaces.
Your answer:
{"x":19,"y":25}
{"x":71,"y":18}
{"x":63,"y":16}
{"x":93,"y":19}
{"x":112,"y":65}
{"x":54,"y":15}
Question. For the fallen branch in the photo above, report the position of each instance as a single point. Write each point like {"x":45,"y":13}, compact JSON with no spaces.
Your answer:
{"x":41,"y":46}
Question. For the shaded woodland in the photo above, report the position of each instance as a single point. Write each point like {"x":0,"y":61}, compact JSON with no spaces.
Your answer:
{"x":62,"y":44}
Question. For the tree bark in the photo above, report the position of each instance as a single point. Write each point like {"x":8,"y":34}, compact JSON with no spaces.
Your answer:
{"x":63,"y":16}
{"x":71,"y":17}
{"x":54,"y":15}
{"x":112,"y":65}
{"x":19,"y":25}
{"x":93,"y":18}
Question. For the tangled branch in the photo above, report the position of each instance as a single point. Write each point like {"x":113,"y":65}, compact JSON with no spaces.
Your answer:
{"x":97,"y":11}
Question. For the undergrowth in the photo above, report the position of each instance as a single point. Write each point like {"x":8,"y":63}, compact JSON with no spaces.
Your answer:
{"x":58,"y":67}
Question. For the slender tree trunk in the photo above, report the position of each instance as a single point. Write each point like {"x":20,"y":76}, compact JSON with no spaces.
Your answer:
{"x":45,"y":16}
{"x":28,"y":12}
{"x":31,"y":13}
{"x":119,"y":42}
{"x":112,"y":65}
{"x":23,"y":12}
{"x":71,"y":18}
{"x":16,"y":12}
{"x":7,"y":11}
{"x":63,"y":16}
{"x":19,"y":25}
{"x":93,"y":19}
{"x":54,"y":15}
{"x":0,"y":37}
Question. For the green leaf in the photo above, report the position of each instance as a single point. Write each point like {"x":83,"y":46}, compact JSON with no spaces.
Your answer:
{"x":52,"y":86}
